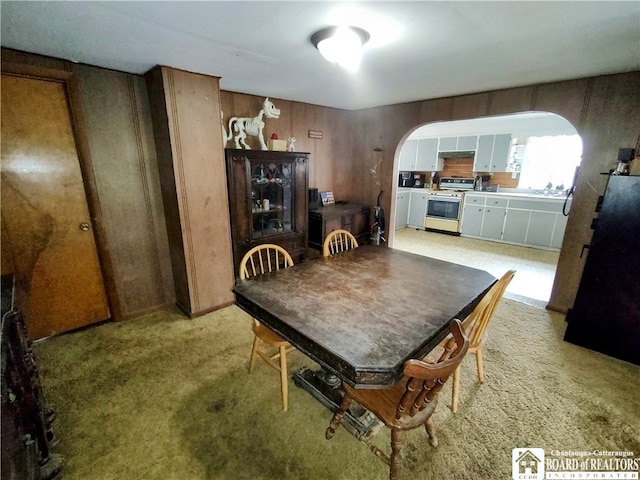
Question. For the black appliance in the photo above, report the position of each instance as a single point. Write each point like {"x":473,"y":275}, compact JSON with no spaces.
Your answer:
{"x":606,"y":313}
{"x":405,"y":179}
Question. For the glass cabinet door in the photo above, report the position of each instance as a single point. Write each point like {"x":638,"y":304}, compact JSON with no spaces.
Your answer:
{"x":271,"y":199}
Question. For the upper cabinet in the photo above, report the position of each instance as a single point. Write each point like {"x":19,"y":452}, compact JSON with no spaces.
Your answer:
{"x":492,"y":154}
{"x":427,"y":159}
{"x":408,"y":154}
{"x":267,"y":200}
{"x":420,"y":156}
{"x":458,"y":144}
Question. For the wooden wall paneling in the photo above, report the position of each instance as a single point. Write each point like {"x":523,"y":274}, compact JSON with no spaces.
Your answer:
{"x":611,"y":121}
{"x":116,"y":107}
{"x":90,"y":80}
{"x":566,"y":99}
{"x":511,"y":100}
{"x":25,"y":58}
{"x":197,"y":200}
{"x":436,"y":110}
{"x":471,"y":106}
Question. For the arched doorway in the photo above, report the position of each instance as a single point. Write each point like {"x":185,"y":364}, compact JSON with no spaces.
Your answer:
{"x":523,"y":226}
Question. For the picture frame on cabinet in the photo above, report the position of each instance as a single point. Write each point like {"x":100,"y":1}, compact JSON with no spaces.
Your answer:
{"x":327,"y":198}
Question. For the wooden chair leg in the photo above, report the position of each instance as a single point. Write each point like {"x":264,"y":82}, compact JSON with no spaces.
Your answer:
{"x":254,"y":352}
{"x":480,"y":365}
{"x":397,"y":442}
{"x":455,"y":390}
{"x":430,"y":426}
{"x":337,"y":417}
{"x":283,"y":378}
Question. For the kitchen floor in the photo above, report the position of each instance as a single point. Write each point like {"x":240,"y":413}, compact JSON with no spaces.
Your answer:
{"x":535,"y":269}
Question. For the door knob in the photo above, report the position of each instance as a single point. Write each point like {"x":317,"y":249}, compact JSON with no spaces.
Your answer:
{"x":84,"y":226}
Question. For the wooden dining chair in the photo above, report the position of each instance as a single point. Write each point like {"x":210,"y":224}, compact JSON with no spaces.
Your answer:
{"x":475,"y":326}
{"x":338,"y":241}
{"x":267,"y":345}
{"x":411,"y":402}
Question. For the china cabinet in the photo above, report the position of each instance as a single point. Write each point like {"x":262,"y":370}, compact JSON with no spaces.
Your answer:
{"x":267,"y":200}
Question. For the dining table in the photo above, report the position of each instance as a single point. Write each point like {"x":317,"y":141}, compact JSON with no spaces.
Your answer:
{"x":361,"y":314}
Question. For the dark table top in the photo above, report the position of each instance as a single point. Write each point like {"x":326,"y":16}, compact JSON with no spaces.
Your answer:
{"x":362,"y":314}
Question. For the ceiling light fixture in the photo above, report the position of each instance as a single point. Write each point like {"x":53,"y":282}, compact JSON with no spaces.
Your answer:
{"x":341,"y":45}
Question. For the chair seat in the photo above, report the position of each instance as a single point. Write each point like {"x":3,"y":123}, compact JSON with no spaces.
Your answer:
{"x":384,"y":405}
{"x":268,"y":336}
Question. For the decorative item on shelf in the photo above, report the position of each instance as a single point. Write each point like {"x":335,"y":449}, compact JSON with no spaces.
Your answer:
{"x":254,"y":126}
{"x":327,"y":198}
{"x":276,"y":144}
{"x":292,"y":144}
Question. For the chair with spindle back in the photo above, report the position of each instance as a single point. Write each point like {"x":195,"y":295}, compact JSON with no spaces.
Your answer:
{"x":258,"y":261}
{"x":410,"y":403}
{"x":475,"y":326}
{"x":338,"y":241}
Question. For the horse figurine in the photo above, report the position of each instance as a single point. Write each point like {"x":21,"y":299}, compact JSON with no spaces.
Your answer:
{"x":244,"y":126}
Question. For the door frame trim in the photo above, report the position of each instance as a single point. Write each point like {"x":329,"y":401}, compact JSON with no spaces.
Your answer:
{"x":74,"y":104}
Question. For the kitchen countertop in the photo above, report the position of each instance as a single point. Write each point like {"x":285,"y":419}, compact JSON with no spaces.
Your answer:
{"x":542,"y":196}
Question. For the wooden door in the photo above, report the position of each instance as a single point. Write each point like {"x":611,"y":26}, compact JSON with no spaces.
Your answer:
{"x":45,"y":216}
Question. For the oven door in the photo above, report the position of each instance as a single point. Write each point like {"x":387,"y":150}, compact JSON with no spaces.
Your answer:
{"x":446,"y":208}
{"x":443,"y":214}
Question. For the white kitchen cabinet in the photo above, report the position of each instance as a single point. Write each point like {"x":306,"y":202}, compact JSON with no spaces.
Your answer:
{"x":467,"y":143}
{"x":427,"y":159}
{"x":402,"y":208}
{"x":457,"y":144}
{"x":417,"y":208}
{"x":534,"y":222}
{"x":447,"y":144}
{"x":492,"y":154}
{"x":541,"y":225}
{"x":516,"y":224}
{"x":472,"y":215}
{"x":482,"y":160}
{"x":500,"y":155}
{"x":492,"y":222}
{"x":407,"y":161}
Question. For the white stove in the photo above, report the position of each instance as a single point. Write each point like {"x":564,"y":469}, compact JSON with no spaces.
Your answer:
{"x":444,"y":206}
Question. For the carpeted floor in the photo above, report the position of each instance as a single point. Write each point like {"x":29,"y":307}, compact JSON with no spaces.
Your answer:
{"x":166,"y":397}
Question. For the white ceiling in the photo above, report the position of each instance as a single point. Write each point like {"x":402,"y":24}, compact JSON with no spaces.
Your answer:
{"x":418,"y":49}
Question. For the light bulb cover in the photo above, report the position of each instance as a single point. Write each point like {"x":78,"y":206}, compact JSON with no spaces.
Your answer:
{"x":341,"y":45}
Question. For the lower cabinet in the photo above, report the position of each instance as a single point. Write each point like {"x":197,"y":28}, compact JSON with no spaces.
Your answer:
{"x":534,"y":222}
{"x":493,"y":222}
{"x":472,"y":216}
{"x":402,"y":209}
{"x":324,"y":220}
{"x":417,"y":209}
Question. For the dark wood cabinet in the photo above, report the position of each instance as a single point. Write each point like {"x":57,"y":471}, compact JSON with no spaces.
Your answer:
{"x":352,"y":217}
{"x":267,"y":200}
{"x":606,"y":313}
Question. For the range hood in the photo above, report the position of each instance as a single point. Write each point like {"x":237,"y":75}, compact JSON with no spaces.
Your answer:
{"x":457,"y":154}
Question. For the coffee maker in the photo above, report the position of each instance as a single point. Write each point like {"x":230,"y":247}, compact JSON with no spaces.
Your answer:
{"x":405,"y":179}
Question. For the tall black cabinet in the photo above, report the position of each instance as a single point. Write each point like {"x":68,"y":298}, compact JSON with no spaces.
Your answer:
{"x":606,"y":313}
